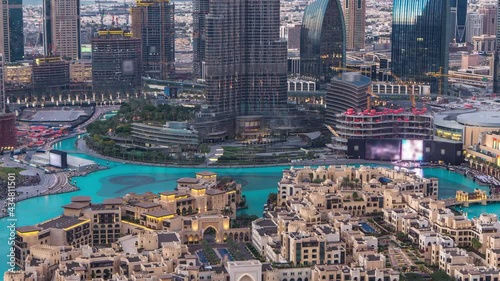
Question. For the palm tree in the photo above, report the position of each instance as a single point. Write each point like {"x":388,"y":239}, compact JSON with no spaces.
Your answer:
{"x":345,"y":182}
{"x":227,"y":211}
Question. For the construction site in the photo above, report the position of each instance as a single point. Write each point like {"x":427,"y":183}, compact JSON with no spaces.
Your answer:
{"x":355,"y":112}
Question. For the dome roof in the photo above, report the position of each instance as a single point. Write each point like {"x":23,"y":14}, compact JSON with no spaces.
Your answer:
{"x":320,"y":169}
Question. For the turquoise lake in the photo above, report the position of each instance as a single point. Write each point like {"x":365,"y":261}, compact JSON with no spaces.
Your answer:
{"x":121,"y":179}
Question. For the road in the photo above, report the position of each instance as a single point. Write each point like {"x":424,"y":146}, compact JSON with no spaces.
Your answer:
{"x":49,"y":183}
{"x":99,"y":110}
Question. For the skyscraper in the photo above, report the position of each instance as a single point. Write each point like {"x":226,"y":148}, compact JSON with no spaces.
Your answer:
{"x":7,"y":120}
{"x":355,"y":22}
{"x":62,"y":28}
{"x":496,"y":58}
{"x":474,"y":26}
{"x":489,"y":14}
{"x":50,"y":75}
{"x":11,"y":33}
{"x":153,"y":23}
{"x":245,"y":61}
{"x":200,"y":11}
{"x":116,"y":61}
{"x":322,"y":39}
{"x":420,"y":39}
{"x":2,"y":86}
{"x":458,"y":18}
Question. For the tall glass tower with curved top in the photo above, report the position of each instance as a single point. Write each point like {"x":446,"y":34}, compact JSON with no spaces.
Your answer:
{"x":322,"y":39}
{"x":420,"y":36}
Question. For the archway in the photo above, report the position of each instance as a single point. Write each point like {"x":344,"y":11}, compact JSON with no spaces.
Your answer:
{"x":246,"y":277}
{"x":209,"y":234}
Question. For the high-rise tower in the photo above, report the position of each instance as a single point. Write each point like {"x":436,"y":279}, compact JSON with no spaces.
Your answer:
{"x":474,"y":26}
{"x":2,"y":86}
{"x":200,"y":11}
{"x":116,"y":61}
{"x":458,"y":20}
{"x":489,"y":14}
{"x":153,"y":23}
{"x":62,"y":28}
{"x":496,"y":58}
{"x":11,"y":33}
{"x":420,"y":40}
{"x":7,"y":120}
{"x":355,"y":22}
{"x":245,"y":61}
{"x":322,"y":39}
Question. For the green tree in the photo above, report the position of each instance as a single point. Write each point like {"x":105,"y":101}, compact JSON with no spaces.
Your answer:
{"x":345,"y":182}
{"x":440,"y":275}
{"x":272,"y":198}
{"x":476,"y":244}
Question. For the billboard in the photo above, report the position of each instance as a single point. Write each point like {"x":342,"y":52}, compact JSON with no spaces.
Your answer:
{"x":412,"y":150}
{"x":383,"y":149}
{"x":58,"y":159}
{"x":128,"y":67}
{"x":170,"y":92}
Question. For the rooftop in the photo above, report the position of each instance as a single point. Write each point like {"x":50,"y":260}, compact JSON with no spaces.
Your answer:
{"x":167,"y":238}
{"x":60,"y":222}
{"x":159,"y":213}
{"x":188,"y":180}
{"x":75,"y":205}
{"x":113,"y":201}
{"x":480,"y":118}
{"x":30,"y":228}
{"x":146,"y":205}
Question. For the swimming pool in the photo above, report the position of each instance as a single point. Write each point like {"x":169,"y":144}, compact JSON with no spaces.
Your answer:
{"x":367,"y":228}
{"x":223,"y":252}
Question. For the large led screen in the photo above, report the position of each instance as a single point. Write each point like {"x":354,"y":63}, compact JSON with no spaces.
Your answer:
{"x":385,"y":150}
{"x":55,"y":159}
{"x":412,"y":150}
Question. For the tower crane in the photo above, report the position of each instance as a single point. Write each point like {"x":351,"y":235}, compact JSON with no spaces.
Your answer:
{"x":439,"y":75}
{"x":101,"y":14}
{"x":351,"y":69}
{"x":412,"y":93}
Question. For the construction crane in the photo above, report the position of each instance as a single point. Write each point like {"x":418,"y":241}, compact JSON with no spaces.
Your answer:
{"x":369,"y":98}
{"x":351,"y":69}
{"x":412,"y":93}
{"x":125,"y":7}
{"x":332,"y":131}
{"x":439,"y":75}
{"x":101,"y":14}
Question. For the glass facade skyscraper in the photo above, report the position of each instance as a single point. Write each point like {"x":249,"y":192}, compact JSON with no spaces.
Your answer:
{"x":153,"y":23}
{"x":420,"y":38}
{"x":322,"y":39}
{"x":12,"y":45}
{"x":458,"y":20}
{"x":245,"y":64}
{"x":200,"y":11}
{"x":496,"y":66}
